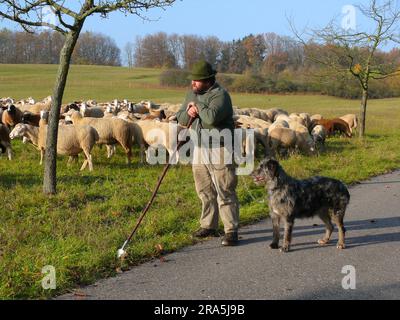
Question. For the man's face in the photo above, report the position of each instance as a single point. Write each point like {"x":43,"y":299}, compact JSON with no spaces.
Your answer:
{"x":200,"y":86}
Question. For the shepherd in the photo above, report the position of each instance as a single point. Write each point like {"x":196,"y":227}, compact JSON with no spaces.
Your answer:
{"x":215,"y":181}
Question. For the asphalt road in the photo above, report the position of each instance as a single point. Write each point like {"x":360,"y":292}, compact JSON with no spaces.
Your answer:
{"x":252,"y":271}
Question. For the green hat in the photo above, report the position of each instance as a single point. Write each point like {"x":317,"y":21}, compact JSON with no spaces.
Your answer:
{"x":202,"y":70}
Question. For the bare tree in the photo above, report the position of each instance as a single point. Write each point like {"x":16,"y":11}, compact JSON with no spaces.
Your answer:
{"x":356,"y":52}
{"x":69,"y":21}
{"x":129,"y":54}
{"x":96,"y":48}
{"x":154,"y":51}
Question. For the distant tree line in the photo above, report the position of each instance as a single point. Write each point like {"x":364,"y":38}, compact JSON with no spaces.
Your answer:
{"x":269,"y":62}
{"x":44,"y":47}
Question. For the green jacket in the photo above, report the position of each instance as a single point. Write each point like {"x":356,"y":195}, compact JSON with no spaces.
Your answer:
{"x":215,"y":110}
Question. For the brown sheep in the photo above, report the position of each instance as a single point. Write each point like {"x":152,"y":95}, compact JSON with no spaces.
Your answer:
{"x":334,"y":125}
{"x":34,"y":119}
{"x":11,"y":116}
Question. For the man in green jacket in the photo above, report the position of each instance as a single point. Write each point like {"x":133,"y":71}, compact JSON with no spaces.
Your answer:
{"x":215,"y":181}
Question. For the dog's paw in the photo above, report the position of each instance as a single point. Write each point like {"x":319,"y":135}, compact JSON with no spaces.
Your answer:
{"x":274,"y":246}
{"x":284,"y":249}
{"x":323,"y":242}
{"x":341,"y":246}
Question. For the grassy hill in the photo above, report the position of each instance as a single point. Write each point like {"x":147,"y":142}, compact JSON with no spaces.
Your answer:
{"x":79,"y":230}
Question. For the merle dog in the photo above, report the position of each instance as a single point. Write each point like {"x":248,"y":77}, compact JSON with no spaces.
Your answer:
{"x":290,"y":198}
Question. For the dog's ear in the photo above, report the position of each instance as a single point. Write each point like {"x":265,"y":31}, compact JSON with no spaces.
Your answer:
{"x":272,"y":166}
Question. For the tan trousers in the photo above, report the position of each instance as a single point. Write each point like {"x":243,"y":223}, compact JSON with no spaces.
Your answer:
{"x":216,"y":188}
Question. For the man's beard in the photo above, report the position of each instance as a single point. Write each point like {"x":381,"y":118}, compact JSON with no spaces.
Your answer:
{"x":196,"y":91}
{"x":199,"y":91}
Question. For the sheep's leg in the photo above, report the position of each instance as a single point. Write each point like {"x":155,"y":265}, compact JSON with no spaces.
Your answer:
{"x":142,"y":153}
{"x":84,"y":164}
{"x":41,"y":156}
{"x":90,"y":163}
{"x":71,"y":159}
{"x":128,"y":152}
{"x":111,"y":150}
{"x":87,"y":161}
{"x":9,"y":153}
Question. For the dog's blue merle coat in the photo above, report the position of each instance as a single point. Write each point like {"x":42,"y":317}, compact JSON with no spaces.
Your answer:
{"x":306,"y":197}
{"x":290,"y":198}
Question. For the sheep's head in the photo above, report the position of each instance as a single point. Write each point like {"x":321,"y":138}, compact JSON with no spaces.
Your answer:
{"x":83,"y":108}
{"x":44,"y":115}
{"x":11,"y":109}
{"x":26,"y":117}
{"x":18,"y":131}
{"x":109,"y":109}
{"x":47,"y":99}
{"x":75,"y":115}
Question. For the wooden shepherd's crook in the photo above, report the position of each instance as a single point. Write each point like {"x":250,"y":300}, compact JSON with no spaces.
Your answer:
{"x":121,"y":252}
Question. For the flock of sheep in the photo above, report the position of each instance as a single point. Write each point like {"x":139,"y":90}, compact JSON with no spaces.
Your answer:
{"x":83,"y":124}
{"x":280,"y":132}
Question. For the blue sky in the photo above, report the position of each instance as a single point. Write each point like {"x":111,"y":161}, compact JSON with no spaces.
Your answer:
{"x":226,"y":19}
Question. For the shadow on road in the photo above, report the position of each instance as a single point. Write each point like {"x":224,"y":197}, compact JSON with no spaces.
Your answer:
{"x":370,"y":224}
{"x":388,"y":291}
{"x":378,"y":182}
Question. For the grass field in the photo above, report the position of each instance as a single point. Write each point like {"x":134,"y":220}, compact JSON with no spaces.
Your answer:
{"x":79,"y":230}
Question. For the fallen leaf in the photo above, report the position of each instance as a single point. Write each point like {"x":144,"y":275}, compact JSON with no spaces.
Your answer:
{"x":159,"y":248}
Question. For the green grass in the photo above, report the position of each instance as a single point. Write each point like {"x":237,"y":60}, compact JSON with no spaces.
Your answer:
{"x":79,"y":230}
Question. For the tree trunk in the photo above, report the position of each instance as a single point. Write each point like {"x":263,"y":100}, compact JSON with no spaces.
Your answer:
{"x":50,"y":163}
{"x":363,"y":112}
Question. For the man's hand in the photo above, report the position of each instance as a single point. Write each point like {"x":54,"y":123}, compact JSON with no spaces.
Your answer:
{"x":192,"y":110}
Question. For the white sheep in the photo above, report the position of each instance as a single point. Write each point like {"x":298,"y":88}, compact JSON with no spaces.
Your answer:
{"x":44,"y":105}
{"x":27,"y":132}
{"x":319,"y":135}
{"x":279,"y":124}
{"x":316,"y":117}
{"x":156,"y":134}
{"x":274,"y":112}
{"x":351,"y":120}
{"x":282,"y":117}
{"x":296,"y":118}
{"x":71,"y":140}
{"x":289,"y":139}
{"x":93,"y":112}
{"x":110,"y":130}
{"x":260,"y":127}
